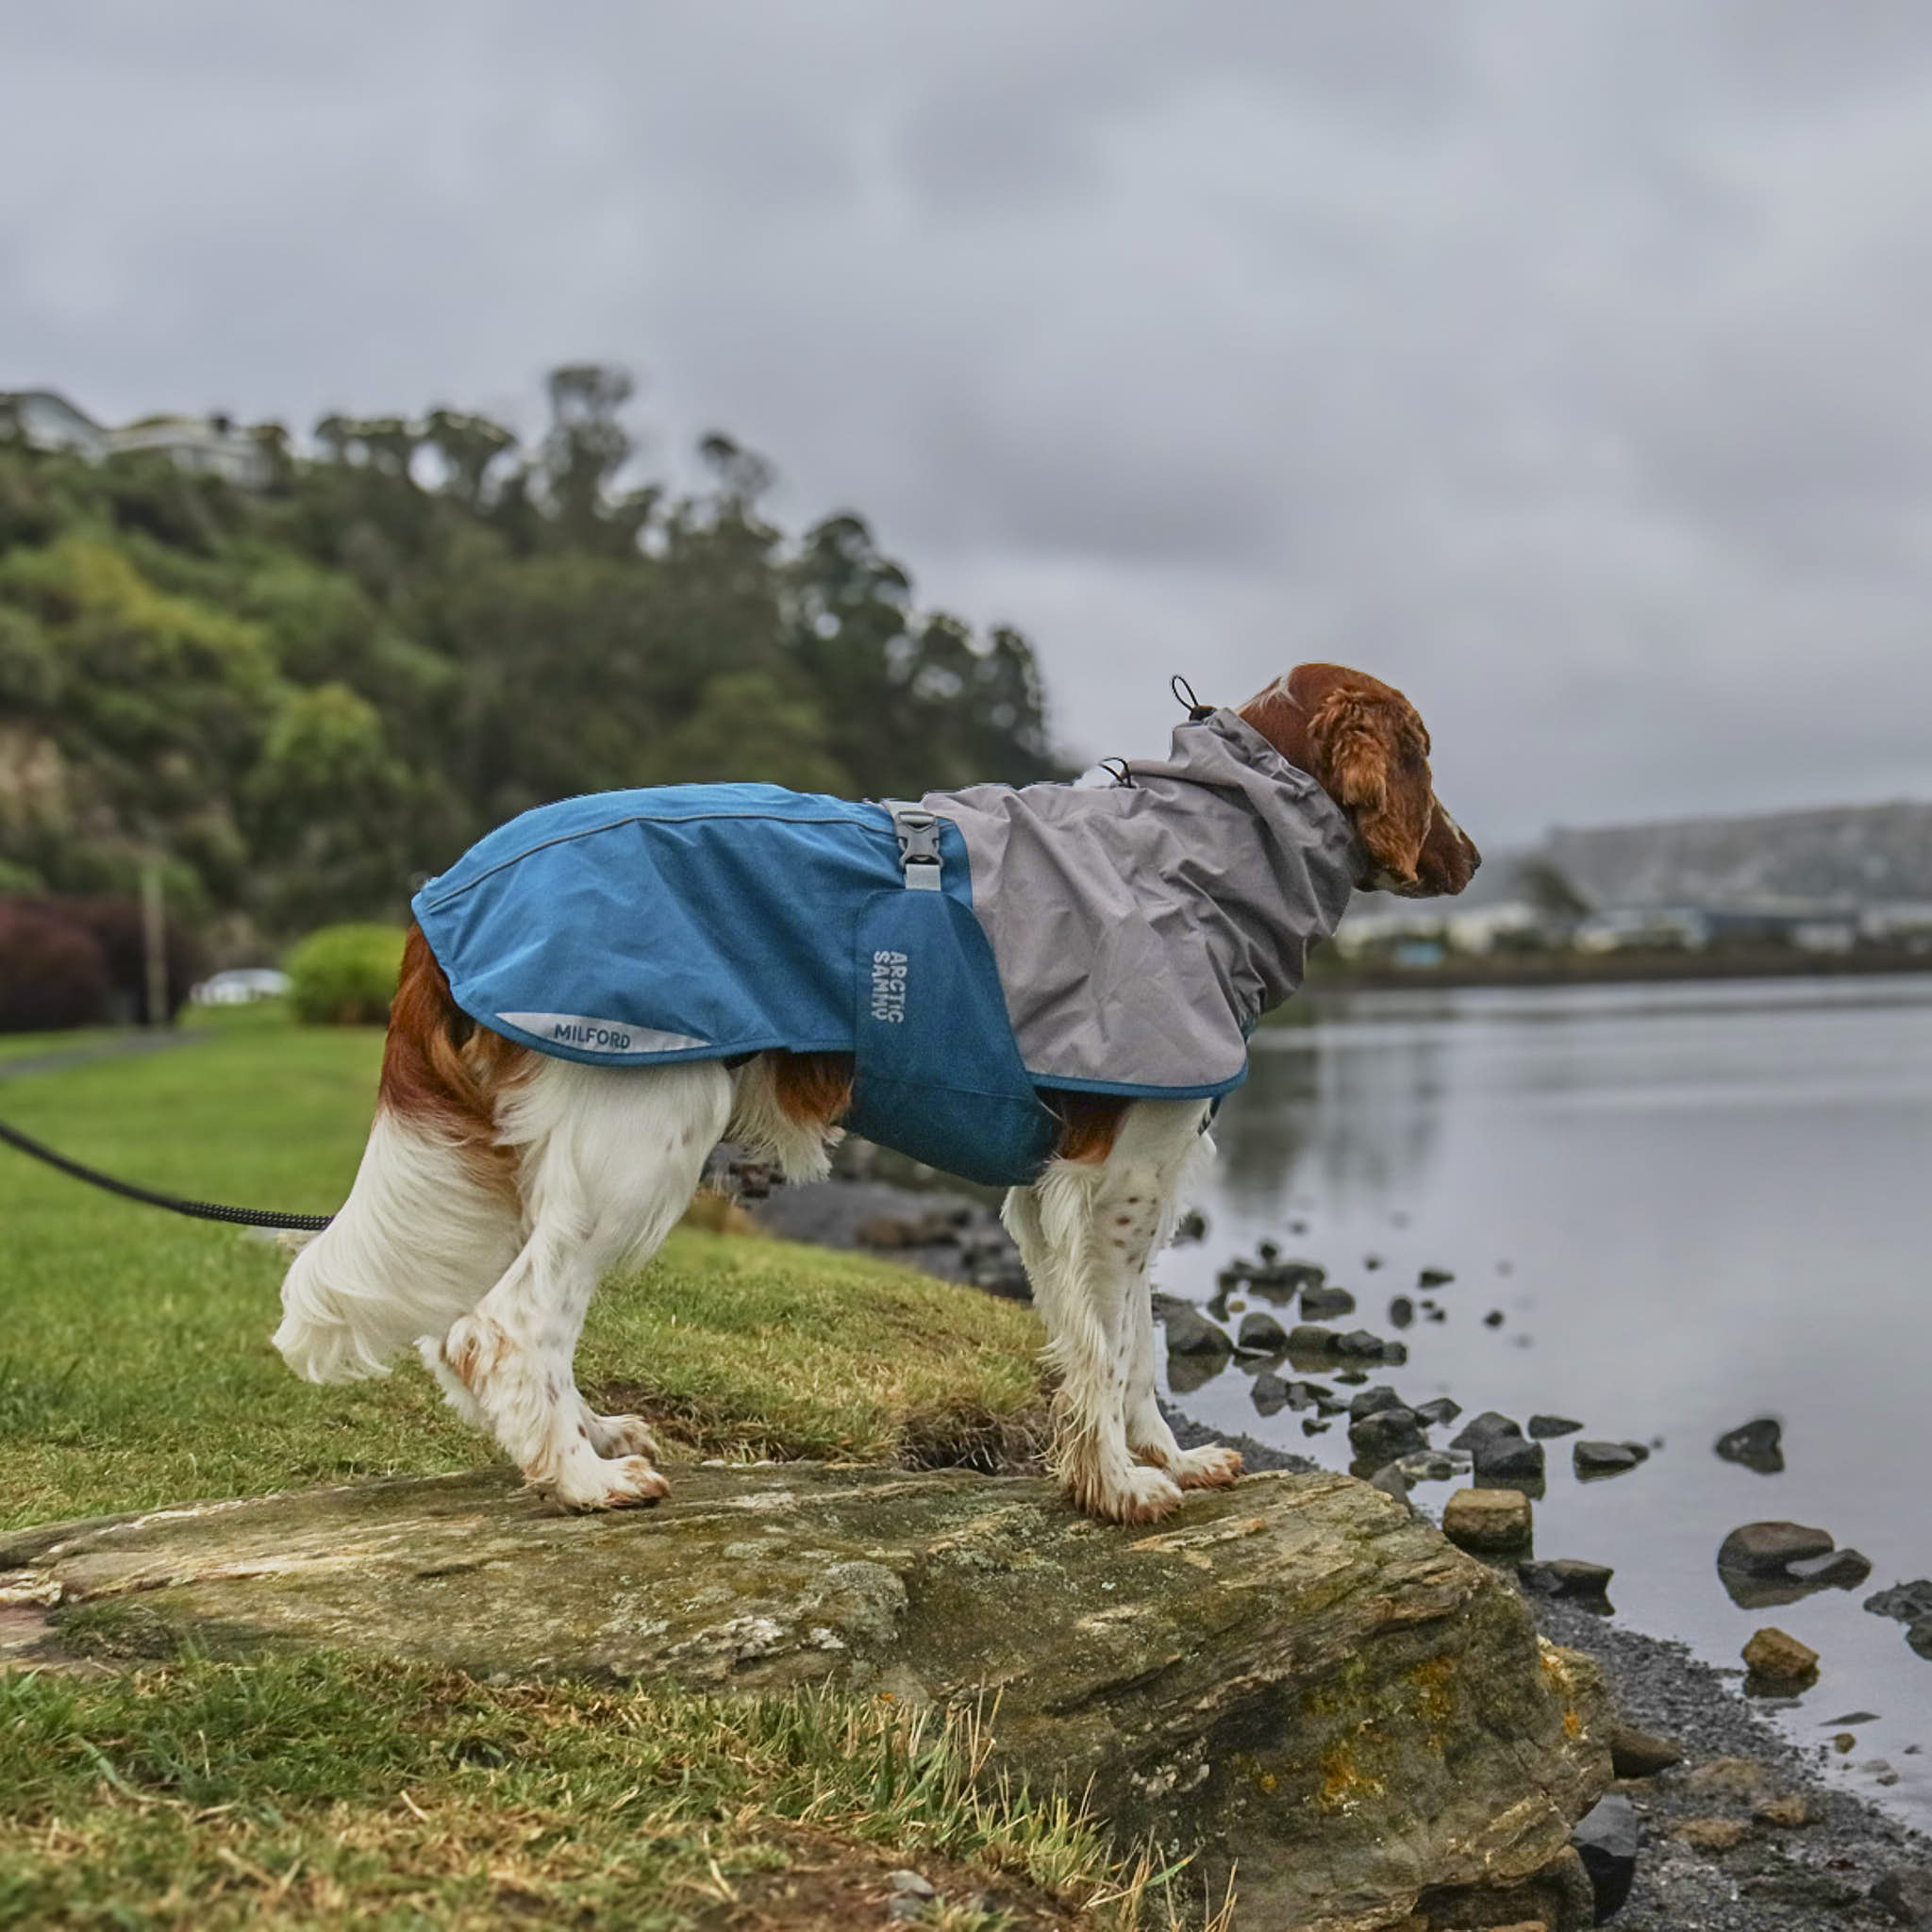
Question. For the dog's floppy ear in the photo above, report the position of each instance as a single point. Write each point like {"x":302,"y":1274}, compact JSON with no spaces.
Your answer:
{"x":1351,"y":739}
{"x":1371,"y":753}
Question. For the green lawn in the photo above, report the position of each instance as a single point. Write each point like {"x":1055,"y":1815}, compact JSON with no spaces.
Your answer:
{"x":136,"y":1367}
{"x":184,"y":1792}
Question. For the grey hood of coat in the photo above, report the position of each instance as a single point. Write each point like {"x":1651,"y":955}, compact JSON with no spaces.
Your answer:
{"x":1141,"y":930}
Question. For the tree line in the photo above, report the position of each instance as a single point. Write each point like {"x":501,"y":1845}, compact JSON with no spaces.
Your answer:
{"x":305,"y":697}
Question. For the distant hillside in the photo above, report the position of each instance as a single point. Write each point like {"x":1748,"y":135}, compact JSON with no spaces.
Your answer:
{"x":1839,"y":856}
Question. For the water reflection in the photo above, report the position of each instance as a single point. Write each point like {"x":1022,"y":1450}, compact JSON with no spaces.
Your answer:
{"x":1328,"y":1116}
{"x":1691,"y":1212}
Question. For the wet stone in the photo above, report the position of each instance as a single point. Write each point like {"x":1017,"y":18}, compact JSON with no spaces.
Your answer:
{"x":1607,"y":1840}
{"x":1323,"y":1303}
{"x":1565,"y":1577}
{"x":1269,"y":1393}
{"x":1594,"y":1461}
{"x":1756,"y":1444}
{"x":1261,"y":1335}
{"x":1369,"y":1400}
{"x":1543,"y":1426}
{"x":1401,"y":1312}
{"x":1384,"y":1433}
{"x":1190,"y":1332}
{"x":1500,"y":1459}
{"x":1489,"y":1424}
{"x":1493,"y":1319}
{"x":1641,"y":1753}
{"x":1908,"y":1601}
{"x":1488,"y":1520}
{"x":1765,"y":1549}
{"x":1439,"y":1412}
{"x":1435,"y":1277}
{"x":1840,"y":1569}
{"x":1778,"y":1663}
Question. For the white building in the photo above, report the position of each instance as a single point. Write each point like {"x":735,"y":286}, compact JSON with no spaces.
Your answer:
{"x":47,"y":421}
{"x":205,"y":445}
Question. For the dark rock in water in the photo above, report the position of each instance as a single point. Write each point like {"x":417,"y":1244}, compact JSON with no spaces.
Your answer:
{"x":1755,"y":1445}
{"x":1565,"y":1577}
{"x":1401,"y":1312}
{"x":1261,"y":1335}
{"x":1908,"y":1601}
{"x":1276,"y":1280}
{"x":1442,"y":1409}
{"x":1187,"y":1372}
{"x":1361,"y":1342}
{"x":1269,"y":1251}
{"x":1438,"y":1314}
{"x":1507,"y":1460}
{"x":1369,"y":1400}
{"x":1321,"y":1304}
{"x":1595,"y":1460}
{"x":1777,"y":1664}
{"x":1301,"y":1394}
{"x":1386,"y":1433}
{"x":1391,"y":1482}
{"x":1840,"y":1570}
{"x":1311,"y":1427}
{"x":1435,"y":1277}
{"x":1190,"y":1332}
{"x":1543,"y":1426}
{"x":1307,"y":1338}
{"x":1640,"y":1753}
{"x":1765,"y":1549}
{"x":1491,"y":1423}
{"x":1493,"y":1319}
{"x":1268,"y":1393}
{"x":1904,"y":1896}
{"x":1920,"y":1637}
{"x":1192,"y":1227}
{"x":1372,"y":1261}
{"x":1606,"y":1837}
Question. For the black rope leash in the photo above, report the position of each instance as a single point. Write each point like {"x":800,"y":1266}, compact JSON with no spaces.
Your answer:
{"x":199,"y":1210}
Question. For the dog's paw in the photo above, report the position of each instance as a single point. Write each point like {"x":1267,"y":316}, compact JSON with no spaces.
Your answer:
{"x":623,"y":1435}
{"x":1142,"y":1494}
{"x":630,"y":1483}
{"x":1211,"y":1467}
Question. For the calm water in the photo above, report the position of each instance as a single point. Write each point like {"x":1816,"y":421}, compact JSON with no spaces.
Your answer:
{"x":1693,"y":1205}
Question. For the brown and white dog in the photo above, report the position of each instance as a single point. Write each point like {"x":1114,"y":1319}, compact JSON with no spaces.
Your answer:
{"x":499,"y":1184}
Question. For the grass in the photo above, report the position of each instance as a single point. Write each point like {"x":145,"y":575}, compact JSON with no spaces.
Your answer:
{"x":318,"y":1791}
{"x":306,"y":1792}
{"x":135,"y":1365}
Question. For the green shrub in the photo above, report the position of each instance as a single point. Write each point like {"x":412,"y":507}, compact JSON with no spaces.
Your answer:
{"x":346,"y":975}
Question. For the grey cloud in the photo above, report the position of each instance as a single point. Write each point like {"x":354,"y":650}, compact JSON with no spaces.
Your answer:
{"x":1564,"y":365}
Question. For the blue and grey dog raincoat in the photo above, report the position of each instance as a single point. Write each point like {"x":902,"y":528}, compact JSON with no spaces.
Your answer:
{"x":968,"y":950}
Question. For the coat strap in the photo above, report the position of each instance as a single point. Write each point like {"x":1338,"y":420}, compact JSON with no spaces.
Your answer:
{"x":918,"y":832}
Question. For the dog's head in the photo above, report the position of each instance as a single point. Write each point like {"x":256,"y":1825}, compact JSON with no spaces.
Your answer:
{"x":1366,"y":746}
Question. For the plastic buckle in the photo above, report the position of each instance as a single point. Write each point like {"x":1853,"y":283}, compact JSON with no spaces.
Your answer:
{"x":918,"y":833}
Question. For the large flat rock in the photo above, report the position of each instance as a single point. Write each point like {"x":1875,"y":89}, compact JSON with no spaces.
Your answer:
{"x":1293,"y":1674}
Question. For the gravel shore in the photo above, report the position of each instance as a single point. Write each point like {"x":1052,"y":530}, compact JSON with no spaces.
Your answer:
{"x":1743,"y":1836}
{"x":1723,"y":1848}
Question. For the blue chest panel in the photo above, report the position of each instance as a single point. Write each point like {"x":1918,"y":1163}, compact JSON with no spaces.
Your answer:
{"x":709,"y":921}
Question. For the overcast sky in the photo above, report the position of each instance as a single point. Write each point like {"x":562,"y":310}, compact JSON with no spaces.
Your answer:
{"x":1569,"y":366}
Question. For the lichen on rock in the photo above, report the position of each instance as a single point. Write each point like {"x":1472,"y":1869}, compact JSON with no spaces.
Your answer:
{"x":1295,"y":1677}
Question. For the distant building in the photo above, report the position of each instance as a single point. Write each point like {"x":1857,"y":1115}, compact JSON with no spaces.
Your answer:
{"x":47,"y":420}
{"x":204,"y":446}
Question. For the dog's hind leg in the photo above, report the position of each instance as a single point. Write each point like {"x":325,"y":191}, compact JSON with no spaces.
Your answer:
{"x":611,"y":1159}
